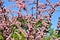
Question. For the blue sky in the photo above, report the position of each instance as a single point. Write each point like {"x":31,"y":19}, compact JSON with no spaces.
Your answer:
{"x":54,"y":17}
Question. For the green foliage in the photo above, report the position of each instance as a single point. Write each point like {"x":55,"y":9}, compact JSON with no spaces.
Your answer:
{"x":14,"y":28}
{"x":58,"y":33}
{"x":49,"y":35}
{"x":47,"y":38}
{"x":15,"y":36}
{"x":38,"y":24}
{"x":22,"y":35}
{"x":21,"y":20}
{"x":23,"y":27}
{"x":51,"y":32}
{"x":1,"y":37}
{"x":50,"y":25}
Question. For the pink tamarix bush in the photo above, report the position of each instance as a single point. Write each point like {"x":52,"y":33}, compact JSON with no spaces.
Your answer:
{"x":34,"y":26}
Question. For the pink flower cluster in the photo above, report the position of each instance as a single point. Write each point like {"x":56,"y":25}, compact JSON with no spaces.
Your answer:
{"x":37,"y":24}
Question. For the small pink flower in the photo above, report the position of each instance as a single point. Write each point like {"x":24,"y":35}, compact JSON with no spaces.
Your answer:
{"x":41,"y":5}
{"x":20,"y":5}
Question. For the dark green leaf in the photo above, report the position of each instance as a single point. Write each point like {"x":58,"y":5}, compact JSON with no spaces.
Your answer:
{"x":23,"y":27}
{"x":38,"y":24}
{"x":21,"y":20}
{"x":58,"y":33}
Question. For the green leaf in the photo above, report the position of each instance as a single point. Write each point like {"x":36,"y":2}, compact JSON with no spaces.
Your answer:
{"x":1,"y":37}
{"x":38,"y":24}
{"x":50,"y":25}
{"x":15,"y":36}
{"x":21,"y":20}
{"x":23,"y":27}
{"x":51,"y":32}
{"x":47,"y":38}
{"x":58,"y":33}
{"x":22,"y":35}
{"x":14,"y":28}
